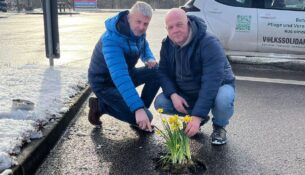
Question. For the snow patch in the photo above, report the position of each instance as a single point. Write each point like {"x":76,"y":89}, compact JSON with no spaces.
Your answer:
{"x":50,"y":89}
{"x":6,"y":161}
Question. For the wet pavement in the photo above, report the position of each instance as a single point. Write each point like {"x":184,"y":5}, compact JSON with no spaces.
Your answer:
{"x":266,"y":136}
{"x":22,"y":38}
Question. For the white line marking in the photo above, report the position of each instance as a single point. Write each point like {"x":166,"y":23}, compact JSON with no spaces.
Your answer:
{"x":271,"y":80}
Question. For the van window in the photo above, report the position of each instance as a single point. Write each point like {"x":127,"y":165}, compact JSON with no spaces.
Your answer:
{"x":286,"y":4}
{"x":236,"y":3}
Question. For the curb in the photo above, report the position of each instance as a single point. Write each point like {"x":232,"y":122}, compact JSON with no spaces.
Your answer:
{"x":273,"y":63}
{"x":33,"y":154}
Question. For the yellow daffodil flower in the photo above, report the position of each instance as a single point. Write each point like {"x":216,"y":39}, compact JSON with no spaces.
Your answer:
{"x":187,"y":119}
{"x":172,"y":120}
{"x":160,"y":110}
{"x":175,"y":139}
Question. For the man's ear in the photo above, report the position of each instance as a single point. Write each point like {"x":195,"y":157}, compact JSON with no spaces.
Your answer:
{"x":129,"y":16}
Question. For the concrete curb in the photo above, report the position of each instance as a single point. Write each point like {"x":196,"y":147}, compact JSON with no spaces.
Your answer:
{"x":33,"y":154}
{"x":271,"y":63}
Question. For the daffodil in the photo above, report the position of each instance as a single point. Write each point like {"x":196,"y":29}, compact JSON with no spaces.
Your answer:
{"x":176,"y":141}
{"x":160,"y":110}
{"x":163,"y":120}
{"x":187,"y":119}
{"x":174,"y":127}
{"x":173,"y":120}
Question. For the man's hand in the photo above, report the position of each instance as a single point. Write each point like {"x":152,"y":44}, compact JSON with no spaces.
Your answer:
{"x":151,"y":63}
{"x":193,"y":126}
{"x":179,"y":103}
{"x":143,"y":120}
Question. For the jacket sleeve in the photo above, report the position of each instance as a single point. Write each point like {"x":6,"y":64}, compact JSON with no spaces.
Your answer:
{"x":118,"y":69}
{"x":147,"y":54}
{"x":167,"y":83}
{"x":213,"y":61}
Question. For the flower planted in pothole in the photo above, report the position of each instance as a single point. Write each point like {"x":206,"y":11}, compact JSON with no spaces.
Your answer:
{"x":178,"y":158}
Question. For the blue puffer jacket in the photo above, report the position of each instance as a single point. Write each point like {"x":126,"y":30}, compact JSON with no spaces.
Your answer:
{"x":115,"y":54}
{"x":196,"y":70}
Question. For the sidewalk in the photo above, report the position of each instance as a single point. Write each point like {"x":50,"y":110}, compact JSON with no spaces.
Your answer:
{"x":29,"y":129}
{"x":33,"y":154}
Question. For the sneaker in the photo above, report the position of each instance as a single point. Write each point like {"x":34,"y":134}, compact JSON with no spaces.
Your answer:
{"x":94,"y":113}
{"x":205,"y":120}
{"x":219,"y":135}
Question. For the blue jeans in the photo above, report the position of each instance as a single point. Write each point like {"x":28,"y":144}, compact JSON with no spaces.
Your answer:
{"x":112,"y":103}
{"x":222,"y":109}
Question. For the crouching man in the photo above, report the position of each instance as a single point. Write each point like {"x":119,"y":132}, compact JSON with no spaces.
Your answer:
{"x":113,"y":76}
{"x":196,"y":76}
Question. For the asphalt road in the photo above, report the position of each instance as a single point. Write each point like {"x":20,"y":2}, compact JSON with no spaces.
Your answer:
{"x":266,"y":135}
{"x":22,"y":37}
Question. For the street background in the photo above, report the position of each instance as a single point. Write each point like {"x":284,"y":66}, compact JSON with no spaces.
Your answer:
{"x":266,"y":134}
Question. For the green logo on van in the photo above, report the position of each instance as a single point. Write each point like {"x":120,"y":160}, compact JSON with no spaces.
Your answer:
{"x":243,"y":23}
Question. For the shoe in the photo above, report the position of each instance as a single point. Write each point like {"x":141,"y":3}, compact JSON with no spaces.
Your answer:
{"x":205,"y":120}
{"x":218,"y":136}
{"x":94,"y":113}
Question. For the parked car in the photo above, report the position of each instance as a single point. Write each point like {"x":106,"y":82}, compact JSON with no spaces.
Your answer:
{"x":255,"y":27}
{"x":3,"y":6}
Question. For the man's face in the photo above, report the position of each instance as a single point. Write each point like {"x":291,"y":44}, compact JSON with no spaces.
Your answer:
{"x":138,"y":23}
{"x":177,"y":29}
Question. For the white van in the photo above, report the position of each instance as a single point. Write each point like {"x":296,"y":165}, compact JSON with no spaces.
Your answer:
{"x":255,"y":27}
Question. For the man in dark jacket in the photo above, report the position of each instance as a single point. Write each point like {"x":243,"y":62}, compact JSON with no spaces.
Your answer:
{"x":112,"y":73}
{"x":196,"y":76}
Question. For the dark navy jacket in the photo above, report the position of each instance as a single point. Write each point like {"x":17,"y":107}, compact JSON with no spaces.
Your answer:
{"x":196,"y":70}
{"x":115,"y":54}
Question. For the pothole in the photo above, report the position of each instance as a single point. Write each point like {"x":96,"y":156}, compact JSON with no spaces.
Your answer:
{"x":196,"y":166}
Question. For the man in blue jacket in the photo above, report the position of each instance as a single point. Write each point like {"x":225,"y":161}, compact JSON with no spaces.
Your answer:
{"x":112,"y":73}
{"x":196,"y":76}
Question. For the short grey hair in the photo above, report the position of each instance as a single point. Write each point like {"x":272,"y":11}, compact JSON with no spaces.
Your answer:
{"x":143,"y":8}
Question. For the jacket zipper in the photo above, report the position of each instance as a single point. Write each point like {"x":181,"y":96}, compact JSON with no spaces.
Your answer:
{"x":181,"y":66}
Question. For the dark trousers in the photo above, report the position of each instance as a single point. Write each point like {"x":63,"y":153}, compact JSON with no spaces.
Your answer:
{"x":222,"y":109}
{"x":112,"y":103}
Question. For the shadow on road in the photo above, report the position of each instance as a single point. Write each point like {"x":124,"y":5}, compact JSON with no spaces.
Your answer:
{"x":125,"y":156}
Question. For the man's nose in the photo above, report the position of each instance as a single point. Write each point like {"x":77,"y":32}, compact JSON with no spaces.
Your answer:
{"x":175,"y":29}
